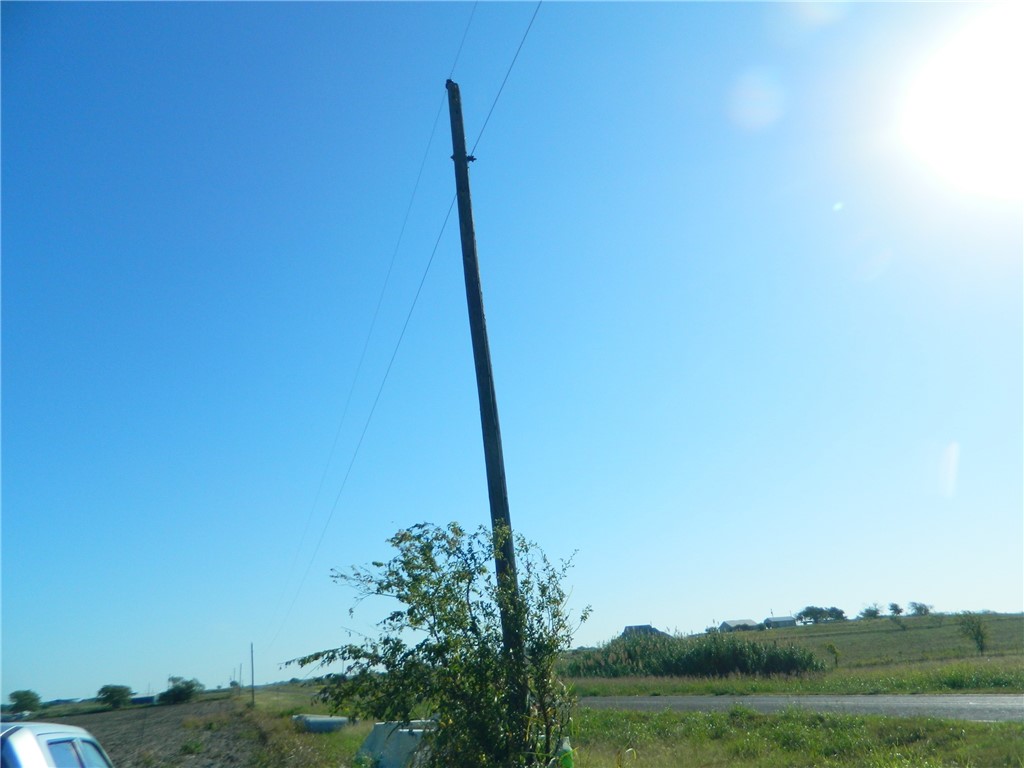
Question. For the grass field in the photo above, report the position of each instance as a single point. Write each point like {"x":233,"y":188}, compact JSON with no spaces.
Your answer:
{"x":925,"y":654}
{"x":793,"y":739}
{"x":882,"y":642}
{"x":739,"y":738}
{"x":1000,"y":675}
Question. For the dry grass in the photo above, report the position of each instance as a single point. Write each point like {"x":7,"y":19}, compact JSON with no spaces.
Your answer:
{"x":285,"y":745}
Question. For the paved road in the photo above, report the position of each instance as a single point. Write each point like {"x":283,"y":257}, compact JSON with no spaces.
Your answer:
{"x":981,"y":707}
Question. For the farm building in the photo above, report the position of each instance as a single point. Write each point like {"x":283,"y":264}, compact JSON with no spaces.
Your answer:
{"x":779,"y":621}
{"x":643,"y":629}
{"x":737,"y":625}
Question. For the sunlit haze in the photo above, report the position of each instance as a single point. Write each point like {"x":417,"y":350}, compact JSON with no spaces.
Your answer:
{"x":964,"y":113}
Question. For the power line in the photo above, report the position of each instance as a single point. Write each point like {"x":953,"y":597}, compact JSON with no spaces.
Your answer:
{"x":408,"y":317}
{"x":373,"y":408}
{"x":505,"y":80}
{"x":369,"y":334}
{"x":462,"y":42}
{"x":362,"y":357}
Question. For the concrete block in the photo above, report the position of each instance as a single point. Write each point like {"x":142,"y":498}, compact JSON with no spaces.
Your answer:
{"x":395,"y":745}
{"x":320,"y":723}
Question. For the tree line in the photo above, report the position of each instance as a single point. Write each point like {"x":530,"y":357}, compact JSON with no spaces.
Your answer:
{"x":179,"y":690}
{"x":874,"y":610}
{"x":817,"y":614}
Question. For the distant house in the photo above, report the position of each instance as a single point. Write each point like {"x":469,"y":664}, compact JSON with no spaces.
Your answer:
{"x":737,"y":625}
{"x":779,"y":621}
{"x":643,"y":629}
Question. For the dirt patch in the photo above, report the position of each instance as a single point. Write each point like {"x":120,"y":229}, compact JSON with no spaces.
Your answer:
{"x":202,"y":734}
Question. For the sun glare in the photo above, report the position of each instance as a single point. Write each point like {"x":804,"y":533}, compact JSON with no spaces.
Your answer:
{"x":963,"y":110}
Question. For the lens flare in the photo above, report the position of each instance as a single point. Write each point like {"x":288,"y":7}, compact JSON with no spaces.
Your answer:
{"x":757,"y":100}
{"x":963,"y":111}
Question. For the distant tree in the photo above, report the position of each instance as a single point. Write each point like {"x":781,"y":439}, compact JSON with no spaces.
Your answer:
{"x":180,"y":690}
{"x":873,"y":611}
{"x":895,"y":609}
{"x":974,"y":629}
{"x":25,"y":701}
{"x":813,"y":614}
{"x":919,"y":609}
{"x":115,"y":696}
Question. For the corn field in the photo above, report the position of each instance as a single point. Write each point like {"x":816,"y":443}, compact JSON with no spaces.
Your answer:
{"x":711,"y":655}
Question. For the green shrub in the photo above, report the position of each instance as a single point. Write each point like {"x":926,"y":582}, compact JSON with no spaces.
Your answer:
{"x":25,"y":701}
{"x":181,"y":690}
{"x":443,"y":652}
{"x":115,"y":696}
{"x":974,"y":629}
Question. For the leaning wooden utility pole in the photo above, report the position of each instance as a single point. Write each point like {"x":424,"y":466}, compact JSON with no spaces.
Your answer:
{"x":252,"y":670}
{"x":511,"y":607}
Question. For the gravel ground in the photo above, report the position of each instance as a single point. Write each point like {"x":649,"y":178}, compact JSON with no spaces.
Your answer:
{"x":201,"y":734}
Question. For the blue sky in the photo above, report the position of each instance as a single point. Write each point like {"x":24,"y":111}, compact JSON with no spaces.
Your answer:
{"x":753,"y":349}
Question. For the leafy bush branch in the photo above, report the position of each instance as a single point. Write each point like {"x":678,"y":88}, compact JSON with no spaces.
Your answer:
{"x":441,"y":652}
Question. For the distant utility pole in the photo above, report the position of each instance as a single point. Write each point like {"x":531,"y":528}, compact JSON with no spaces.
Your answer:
{"x":252,"y":676}
{"x":512,"y":615}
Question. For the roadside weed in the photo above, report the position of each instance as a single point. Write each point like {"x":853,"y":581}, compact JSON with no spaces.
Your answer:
{"x":794,"y":738}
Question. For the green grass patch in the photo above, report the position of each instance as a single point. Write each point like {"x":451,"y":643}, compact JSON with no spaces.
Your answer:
{"x":882,"y":641}
{"x":738,"y":738}
{"x":795,"y":738}
{"x":1001,"y":675}
{"x":290,"y":699}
